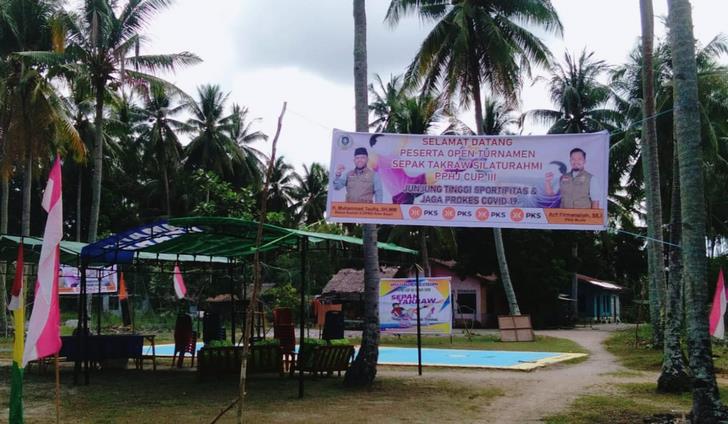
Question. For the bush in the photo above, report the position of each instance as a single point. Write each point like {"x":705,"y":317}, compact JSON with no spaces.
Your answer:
{"x":219,"y":343}
{"x":283,"y":296}
{"x":268,"y":342}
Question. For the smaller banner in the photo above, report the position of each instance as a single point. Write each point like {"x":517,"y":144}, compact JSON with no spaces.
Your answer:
{"x":398,"y":305}
{"x":69,"y":282}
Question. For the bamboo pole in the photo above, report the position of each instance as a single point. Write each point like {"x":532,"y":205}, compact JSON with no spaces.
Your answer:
{"x":58,"y":390}
{"x":256,"y":269}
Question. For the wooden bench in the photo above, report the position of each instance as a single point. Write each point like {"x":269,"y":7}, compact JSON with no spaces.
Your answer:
{"x":324,"y":359}
{"x":215,"y":362}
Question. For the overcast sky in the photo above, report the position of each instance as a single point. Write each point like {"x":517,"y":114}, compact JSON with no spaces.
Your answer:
{"x":265,"y":52}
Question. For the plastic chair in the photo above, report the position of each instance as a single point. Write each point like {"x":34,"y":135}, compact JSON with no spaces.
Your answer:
{"x":185,"y":340}
{"x":282,"y":316}
{"x":285,"y":331}
{"x":333,"y":326}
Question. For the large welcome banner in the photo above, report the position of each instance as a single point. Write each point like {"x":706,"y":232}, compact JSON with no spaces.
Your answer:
{"x":545,"y":181}
{"x":398,"y":305}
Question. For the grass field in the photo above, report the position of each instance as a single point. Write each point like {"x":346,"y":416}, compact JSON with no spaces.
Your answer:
{"x":172,"y":396}
{"x":635,"y":402}
{"x":485,"y":342}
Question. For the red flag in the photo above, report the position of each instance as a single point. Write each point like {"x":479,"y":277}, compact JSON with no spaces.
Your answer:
{"x":17,"y":290}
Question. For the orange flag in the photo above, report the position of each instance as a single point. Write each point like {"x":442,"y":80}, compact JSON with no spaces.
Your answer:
{"x":122,"y":288}
{"x":124,"y":301}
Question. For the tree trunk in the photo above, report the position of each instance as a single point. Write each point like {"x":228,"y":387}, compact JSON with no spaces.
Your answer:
{"x":364,"y":368}
{"x":4,"y":204}
{"x":4,"y":265}
{"x":27,"y":189}
{"x":500,"y":250}
{"x":651,"y":173}
{"x":165,"y":175}
{"x":98,"y":161}
{"x":79,"y":214}
{"x":707,"y":407}
{"x":674,"y":377}
{"x":424,"y":253}
{"x":165,"y":179}
{"x":257,"y":281}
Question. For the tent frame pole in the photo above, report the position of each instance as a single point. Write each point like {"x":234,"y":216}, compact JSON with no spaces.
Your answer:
{"x":304,"y":248}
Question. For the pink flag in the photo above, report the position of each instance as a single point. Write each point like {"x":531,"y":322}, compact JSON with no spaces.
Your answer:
{"x":717,"y":312}
{"x":179,"y":284}
{"x":44,"y":335}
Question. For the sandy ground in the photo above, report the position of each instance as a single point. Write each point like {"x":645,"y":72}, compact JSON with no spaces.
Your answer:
{"x":530,"y":396}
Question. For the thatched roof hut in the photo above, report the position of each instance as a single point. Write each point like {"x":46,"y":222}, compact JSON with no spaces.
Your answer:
{"x":348,"y":283}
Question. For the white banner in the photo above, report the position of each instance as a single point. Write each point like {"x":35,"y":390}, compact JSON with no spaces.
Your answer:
{"x":69,"y":281}
{"x":398,"y":305}
{"x":547,"y":181}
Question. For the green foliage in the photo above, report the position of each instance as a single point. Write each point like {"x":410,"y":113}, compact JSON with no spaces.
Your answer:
{"x":219,"y":343}
{"x":283,"y":296}
{"x":308,"y":342}
{"x":277,"y":218}
{"x":268,"y":342}
{"x":214,"y":197}
{"x":340,"y":342}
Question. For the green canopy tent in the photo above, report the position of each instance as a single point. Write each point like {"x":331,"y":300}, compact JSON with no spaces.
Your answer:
{"x":71,"y":255}
{"x":197,"y":237}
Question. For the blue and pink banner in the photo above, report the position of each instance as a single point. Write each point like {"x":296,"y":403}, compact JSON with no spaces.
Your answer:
{"x":398,"y":305}
{"x":545,"y":181}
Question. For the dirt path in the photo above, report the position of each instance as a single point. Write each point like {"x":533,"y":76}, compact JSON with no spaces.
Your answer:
{"x":529,"y":396}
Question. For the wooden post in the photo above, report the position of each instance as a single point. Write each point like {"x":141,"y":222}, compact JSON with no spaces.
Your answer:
{"x":256,"y":269}
{"x":58,"y":390}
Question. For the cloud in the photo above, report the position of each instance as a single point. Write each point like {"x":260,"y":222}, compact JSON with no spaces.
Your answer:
{"x":318,"y":36}
{"x":315,"y":106}
{"x":267,"y":51}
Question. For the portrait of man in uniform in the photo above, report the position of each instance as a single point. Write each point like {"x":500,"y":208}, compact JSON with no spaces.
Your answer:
{"x":578,"y":188}
{"x":362,"y":184}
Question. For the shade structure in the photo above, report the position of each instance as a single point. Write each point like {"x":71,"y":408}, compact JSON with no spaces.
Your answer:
{"x":206,"y":237}
{"x":71,"y":252}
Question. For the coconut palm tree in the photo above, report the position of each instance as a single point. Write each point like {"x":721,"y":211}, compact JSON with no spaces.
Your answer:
{"x":399,"y":110}
{"x":364,"y":368}
{"x":211,"y":147}
{"x":37,"y":124}
{"x":498,"y":117}
{"x":162,"y":149}
{"x":580,"y":98}
{"x":309,"y":195}
{"x":250,"y":169}
{"x":674,"y":376}
{"x":281,"y":186}
{"x":105,"y":38}
{"x":706,"y":400}
{"x":386,"y":96}
{"x":629,"y":159}
{"x":476,"y":43}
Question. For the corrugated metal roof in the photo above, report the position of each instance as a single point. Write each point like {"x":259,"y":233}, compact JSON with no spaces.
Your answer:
{"x":599,"y":283}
